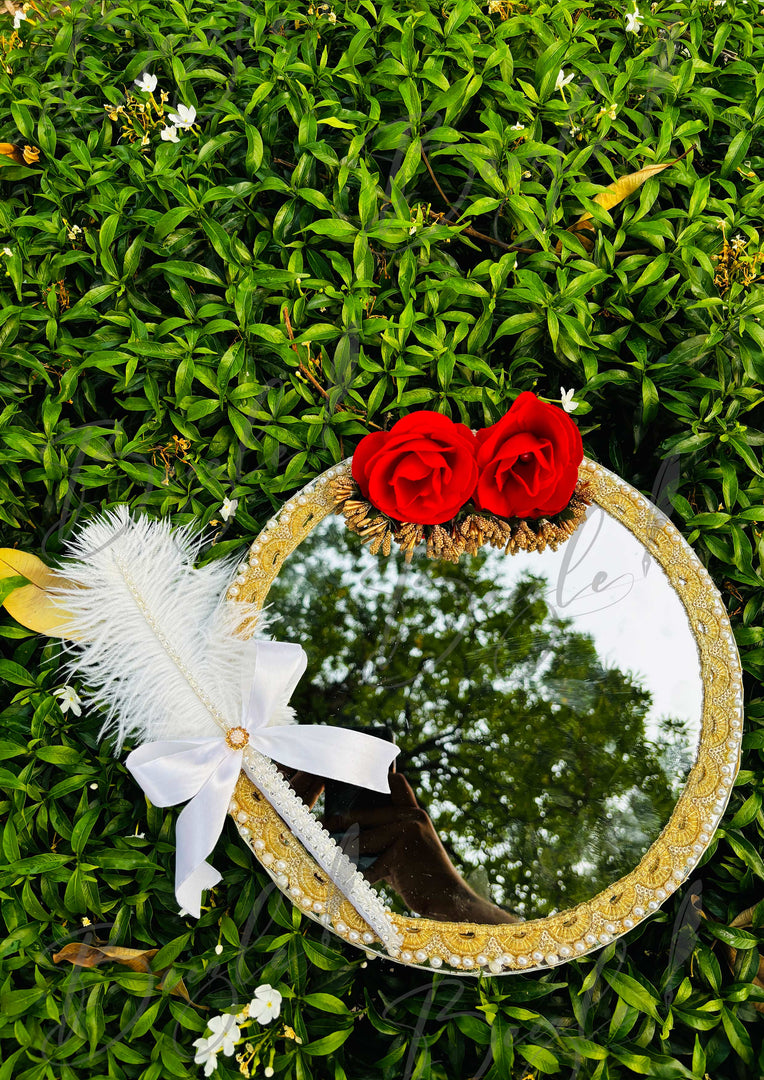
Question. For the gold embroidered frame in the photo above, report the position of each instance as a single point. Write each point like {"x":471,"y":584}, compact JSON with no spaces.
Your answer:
{"x":499,"y":949}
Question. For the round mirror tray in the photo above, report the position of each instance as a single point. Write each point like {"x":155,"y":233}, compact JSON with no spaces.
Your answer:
{"x":568,"y":722}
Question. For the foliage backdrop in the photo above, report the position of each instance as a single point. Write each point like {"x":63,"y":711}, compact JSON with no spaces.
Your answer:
{"x":371,"y":213}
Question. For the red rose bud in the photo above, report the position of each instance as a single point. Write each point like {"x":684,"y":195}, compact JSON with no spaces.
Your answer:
{"x":423,"y":470}
{"x":528,"y":461}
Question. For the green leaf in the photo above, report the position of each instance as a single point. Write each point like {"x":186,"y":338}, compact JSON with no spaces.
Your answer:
{"x":739,"y":1039}
{"x":634,"y":993}
{"x":334,"y":229}
{"x":17,"y":1002}
{"x":654,"y":270}
{"x":515,"y":324}
{"x":328,"y":1044}
{"x":326,"y":1003}
{"x":745,"y":850}
{"x":502,"y":1045}
{"x":12,"y":672}
{"x":737,"y":938}
{"x":539,"y":1057}
{"x":322,"y":956}
{"x":190,"y":270}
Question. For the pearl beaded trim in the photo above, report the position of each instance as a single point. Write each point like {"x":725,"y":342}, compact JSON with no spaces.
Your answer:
{"x":318,"y":842}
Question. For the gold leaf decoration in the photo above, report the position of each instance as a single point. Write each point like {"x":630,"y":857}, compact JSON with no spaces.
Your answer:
{"x":465,"y":534}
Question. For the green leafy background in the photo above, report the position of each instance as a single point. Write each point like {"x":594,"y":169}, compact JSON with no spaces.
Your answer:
{"x":227,"y":315}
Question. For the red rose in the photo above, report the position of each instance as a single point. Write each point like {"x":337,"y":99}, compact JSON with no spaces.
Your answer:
{"x":423,"y":470}
{"x":528,"y":461}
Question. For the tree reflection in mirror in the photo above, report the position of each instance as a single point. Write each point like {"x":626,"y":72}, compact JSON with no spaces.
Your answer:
{"x":546,"y":727}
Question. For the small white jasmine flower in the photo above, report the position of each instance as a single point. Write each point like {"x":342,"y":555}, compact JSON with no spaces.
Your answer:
{"x":140,"y":835}
{"x":228,"y":509}
{"x":86,"y":921}
{"x":527,"y":174}
{"x":184,"y":117}
{"x":205,"y":1055}
{"x":218,"y":949}
{"x":613,"y":111}
{"x":73,"y":231}
{"x":225,"y":1033}
{"x":147,"y":82}
{"x":720,"y":3}
{"x":68,"y":699}
{"x":517,"y":127}
{"x":568,"y":404}
{"x":332,"y":19}
{"x":18,"y":18}
{"x":170,"y":134}
{"x":412,"y":230}
{"x":268,"y":1070}
{"x":7,"y":251}
{"x":633,"y":21}
{"x":93,"y":787}
{"x":563,"y":79}
{"x":265,"y":1005}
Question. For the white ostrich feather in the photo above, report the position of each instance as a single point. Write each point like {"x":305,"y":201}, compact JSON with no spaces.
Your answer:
{"x":157,"y":647}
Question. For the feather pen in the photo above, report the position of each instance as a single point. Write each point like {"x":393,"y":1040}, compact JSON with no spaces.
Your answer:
{"x":175,"y":668}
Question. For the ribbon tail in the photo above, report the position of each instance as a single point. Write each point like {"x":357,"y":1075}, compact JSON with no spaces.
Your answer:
{"x":197,"y":831}
{"x":336,"y":753}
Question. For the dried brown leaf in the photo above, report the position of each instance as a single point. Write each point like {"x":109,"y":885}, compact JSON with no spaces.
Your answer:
{"x":89,"y":956}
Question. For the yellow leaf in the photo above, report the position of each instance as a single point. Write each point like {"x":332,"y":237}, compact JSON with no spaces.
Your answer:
{"x":615,"y":193}
{"x":33,"y":605}
{"x":625,"y":186}
{"x":10,"y":150}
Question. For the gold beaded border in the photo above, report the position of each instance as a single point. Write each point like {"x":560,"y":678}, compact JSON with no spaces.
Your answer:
{"x":465,"y":947}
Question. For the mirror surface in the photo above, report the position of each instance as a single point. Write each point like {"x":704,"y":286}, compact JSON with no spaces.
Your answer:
{"x":547,"y":708}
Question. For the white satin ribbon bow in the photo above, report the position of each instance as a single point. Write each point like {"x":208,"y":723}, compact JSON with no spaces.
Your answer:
{"x":205,"y":770}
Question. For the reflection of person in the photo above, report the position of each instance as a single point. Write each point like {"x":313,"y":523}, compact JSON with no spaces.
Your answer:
{"x":408,"y":853}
